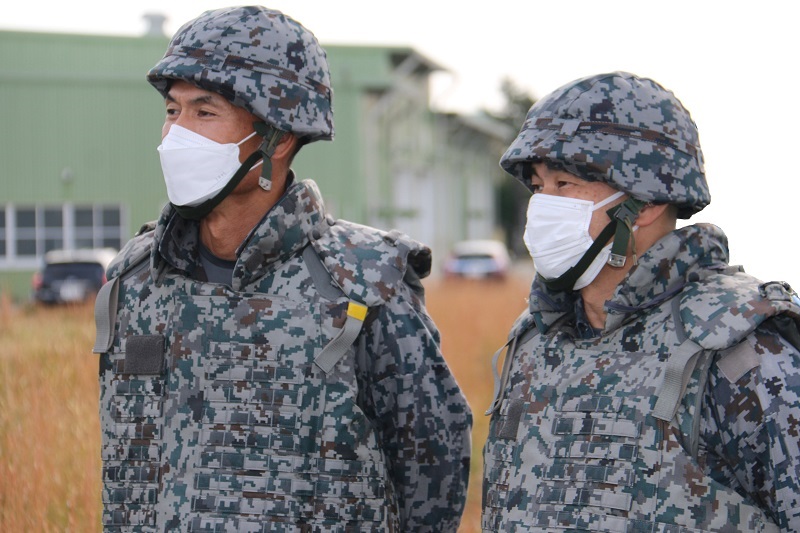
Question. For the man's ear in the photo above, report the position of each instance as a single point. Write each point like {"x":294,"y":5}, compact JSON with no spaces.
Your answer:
{"x":651,"y":213}
{"x":285,"y":148}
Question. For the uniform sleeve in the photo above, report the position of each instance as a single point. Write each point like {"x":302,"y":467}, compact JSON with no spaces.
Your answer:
{"x":422,"y":418}
{"x":752,"y":424}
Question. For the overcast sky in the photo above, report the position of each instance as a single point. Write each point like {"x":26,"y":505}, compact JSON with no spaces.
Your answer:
{"x":733,"y":64}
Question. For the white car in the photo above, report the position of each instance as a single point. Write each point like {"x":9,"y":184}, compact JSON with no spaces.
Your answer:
{"x":485,"y":258}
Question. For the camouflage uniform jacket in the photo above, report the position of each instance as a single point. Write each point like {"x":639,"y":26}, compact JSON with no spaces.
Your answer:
{"x":219,"y":411}
{"x":682,"y":414}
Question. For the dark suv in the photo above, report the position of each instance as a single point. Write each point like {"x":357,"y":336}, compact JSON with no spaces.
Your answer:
{"x":71,"y":276}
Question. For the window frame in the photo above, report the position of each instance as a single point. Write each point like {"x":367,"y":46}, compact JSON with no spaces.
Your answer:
{"x":66,"y":236}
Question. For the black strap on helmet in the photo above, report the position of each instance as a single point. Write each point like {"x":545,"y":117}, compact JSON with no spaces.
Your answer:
{"x":621,"y":227}
{"x":624,"y":216}
{"x":272,"y":136}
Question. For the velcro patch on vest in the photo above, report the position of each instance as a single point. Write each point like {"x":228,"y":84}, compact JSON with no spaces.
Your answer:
{"x":738,"y":361}
{"x":144,"y":354}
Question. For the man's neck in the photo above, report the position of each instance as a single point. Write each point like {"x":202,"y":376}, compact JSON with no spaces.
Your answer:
{"x":222,"y":235}
{"x":599,"y":291}
{"x":224,"y":229}
{"x":596,"y":294}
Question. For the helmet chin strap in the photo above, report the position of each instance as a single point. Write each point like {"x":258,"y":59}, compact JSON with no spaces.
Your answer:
{"x":272,"y":136}
{"x":622,"y":218}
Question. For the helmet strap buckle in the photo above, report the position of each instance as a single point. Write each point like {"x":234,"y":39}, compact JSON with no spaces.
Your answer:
{"x":616,"y":260}
{"x":624,"y":215}
{"x":272,"y":137}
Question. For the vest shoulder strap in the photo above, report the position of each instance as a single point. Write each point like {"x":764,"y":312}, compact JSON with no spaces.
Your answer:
{"x":134,"y":252}
{"x":105,"y":306}
{"x":365,"y":265}
{"x":330,"y":355}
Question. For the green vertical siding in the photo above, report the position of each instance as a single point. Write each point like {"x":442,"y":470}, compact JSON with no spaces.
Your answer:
{"x":80,"y":106}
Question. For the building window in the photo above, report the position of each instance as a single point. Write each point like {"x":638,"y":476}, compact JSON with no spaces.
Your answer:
{"x":84,"y":227}
{"x":98,"y":227}
{"x":25,"y":226}
{"x":52,"y":229}
{"x":3,"y":232}
{"x":28,"y":232}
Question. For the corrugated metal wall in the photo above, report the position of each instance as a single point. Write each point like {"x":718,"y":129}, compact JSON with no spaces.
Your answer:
{"x":77,"y":107}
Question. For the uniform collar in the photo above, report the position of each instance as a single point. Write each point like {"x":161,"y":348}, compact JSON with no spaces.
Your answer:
{"x":285,"y":229}
{"x":680,"y":257}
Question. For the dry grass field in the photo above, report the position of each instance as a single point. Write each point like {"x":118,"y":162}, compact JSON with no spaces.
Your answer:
{"x":49,"y":431}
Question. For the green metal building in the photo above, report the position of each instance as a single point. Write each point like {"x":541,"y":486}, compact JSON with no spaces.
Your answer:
{"x":79,"y":126}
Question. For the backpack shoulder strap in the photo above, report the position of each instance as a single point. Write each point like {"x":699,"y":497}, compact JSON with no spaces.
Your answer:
{"x":356,"y":312}
{"x":364,"y":265}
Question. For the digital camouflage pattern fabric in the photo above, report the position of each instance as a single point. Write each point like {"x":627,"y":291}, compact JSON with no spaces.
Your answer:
{"x":259,"y":59}
{"x":619,"y":128}
{"x":217,"y":416}
{"x":680,"y":415}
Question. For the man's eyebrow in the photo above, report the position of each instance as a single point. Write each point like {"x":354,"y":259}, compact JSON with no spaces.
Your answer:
{"x":205,"y":99}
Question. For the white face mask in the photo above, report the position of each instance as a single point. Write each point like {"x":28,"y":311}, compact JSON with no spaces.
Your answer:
{"x":196,"y":168}
{"x":557,"y":235}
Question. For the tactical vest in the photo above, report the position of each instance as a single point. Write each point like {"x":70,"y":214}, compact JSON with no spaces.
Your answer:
{"x":227,"y":410}
{"x":594,"y":437}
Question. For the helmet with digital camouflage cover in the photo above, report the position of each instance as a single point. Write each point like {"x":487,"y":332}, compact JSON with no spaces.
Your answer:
{"x":618,"y":128}
{"x":258,"y":59}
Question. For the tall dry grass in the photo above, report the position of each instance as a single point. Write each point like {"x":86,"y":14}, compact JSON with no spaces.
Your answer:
{"x":49,"y":430}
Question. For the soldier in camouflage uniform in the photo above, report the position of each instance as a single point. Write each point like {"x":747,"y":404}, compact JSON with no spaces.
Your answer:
{"x":264,"y":366}
{"x":650,"y":386}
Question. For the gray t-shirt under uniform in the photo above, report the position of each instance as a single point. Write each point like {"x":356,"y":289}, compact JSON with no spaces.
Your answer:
{"x":217,"y":270}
